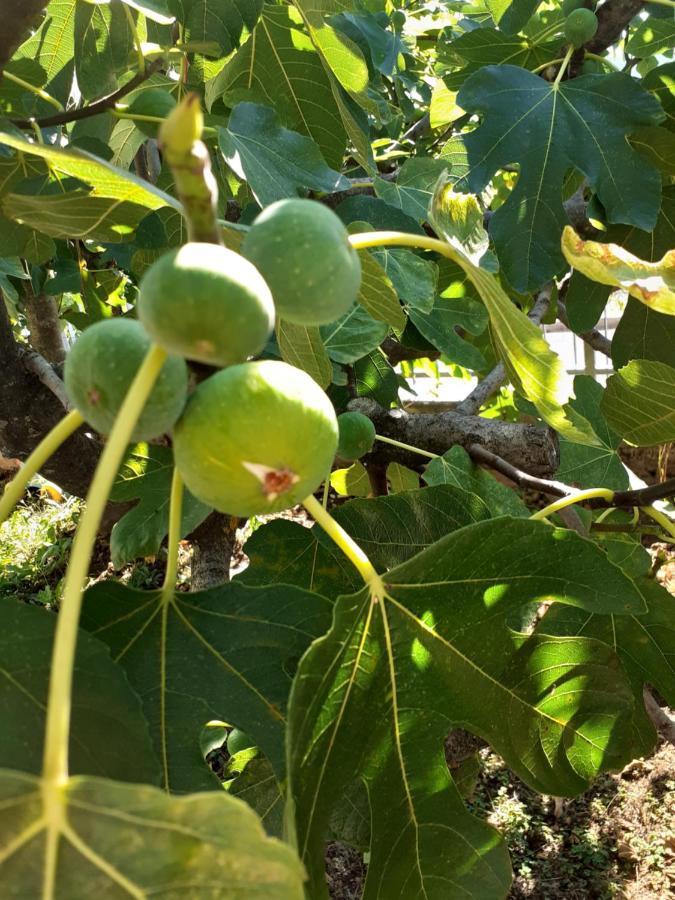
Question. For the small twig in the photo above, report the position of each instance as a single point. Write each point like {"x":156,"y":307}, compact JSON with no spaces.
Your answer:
{"x":594,"y":338}
{"x":95,"y":108}
{"x":517,"y":476}
{"x":494,"y":379}
{"x":37,"y":365}
{"x":622,"y":499}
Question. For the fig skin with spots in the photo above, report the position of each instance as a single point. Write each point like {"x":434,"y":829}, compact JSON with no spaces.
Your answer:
{"x":255,"y":438}
{"x":206,"y":303}
{"x":99,"y":370}
{"x":303,"y":252}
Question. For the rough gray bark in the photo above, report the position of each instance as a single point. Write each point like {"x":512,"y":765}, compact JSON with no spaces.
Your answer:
{"x":46,"y":336}
{"x":212,"y":547}
{"x":613,"y":17}
{"x":528,"y":447}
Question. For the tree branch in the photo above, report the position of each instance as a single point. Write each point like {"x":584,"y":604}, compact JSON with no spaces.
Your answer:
{"x":397,"y":352}
{"x":594,"y":338}
{"x":17,"y":17}
{"x":518,"y":476}
{"x":95,"y":108}
{"x":37,"y":365}
{"x":527,"y":447}
{"x":613,"y":17}
{"x":496,"y":378}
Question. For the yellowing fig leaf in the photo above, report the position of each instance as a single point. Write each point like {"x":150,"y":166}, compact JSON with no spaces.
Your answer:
{"x":95,"y":838}
{"x":652,"y":283}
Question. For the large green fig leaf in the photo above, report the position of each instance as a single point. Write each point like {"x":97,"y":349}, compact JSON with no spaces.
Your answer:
{"x":639,"y":403}
{"x":222,"y":21}
{"x":276,"y":163}
{"x":228,"y":653}
{"x":488,"y":46}
{"x":279,"y":67}
{"x":145,"y":476}
{"x":429,"y":650}
{"x":389,"y":529}
{"x":109,"y":735}
{"x":645,"y":644}
{"x":547,"y":129}
{"x":93,"y":837}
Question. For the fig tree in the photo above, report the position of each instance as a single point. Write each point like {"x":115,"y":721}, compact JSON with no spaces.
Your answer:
{"x":256,"y":438}
{"x":356,"y":435}
{"x":580,"y":26}
{"x":303,"y":252}
{"x":100,"y":367}
{"x":206,"y":303}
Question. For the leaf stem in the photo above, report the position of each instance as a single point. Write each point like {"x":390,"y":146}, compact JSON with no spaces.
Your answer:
{"x":602,"y":59}
{"x":346,"y":543}
{"x":663,"y":520}
{"x":551,"y":62}
{"x":578,"y":497}
{"x":326,"y":488}
{"x":175,"y":522}
{"x":563,"y":66}
{"x":49,"y":444}
{"x":137,"y":41}
{"x":43,"y":95}
{"x":55,"y":762}
{"x":388,"y":440}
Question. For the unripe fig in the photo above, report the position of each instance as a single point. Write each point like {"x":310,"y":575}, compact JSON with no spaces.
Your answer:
{"x":206,"y":303}
{"x":580,"y":26}
{"x":356,"y":435}
{"x":256,"y":438}
{"x":302,"y":250}
{"x":99,"y":370}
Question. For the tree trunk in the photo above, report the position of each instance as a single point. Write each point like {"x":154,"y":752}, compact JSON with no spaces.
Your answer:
{"x":45,"y":329}
{"x":528,"y":447}
{"x":212,"y":546}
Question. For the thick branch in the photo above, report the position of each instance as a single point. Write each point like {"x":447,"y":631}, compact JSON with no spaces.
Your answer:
{"x":17,"y":17}
{"x":613,"y":17}
{"x":37,"y":365}
{"x":518,"y":476}
{"x":212,"y":547}
{"x":528,"y":447}
{"x":46,"y":336}
{"x":397,"y":352}
{"x":496,"y":378}
{"x":594,"y":338}
{"x":98,"y":106}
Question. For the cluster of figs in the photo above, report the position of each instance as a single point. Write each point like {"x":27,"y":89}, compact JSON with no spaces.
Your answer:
{"x":258,"y":435}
